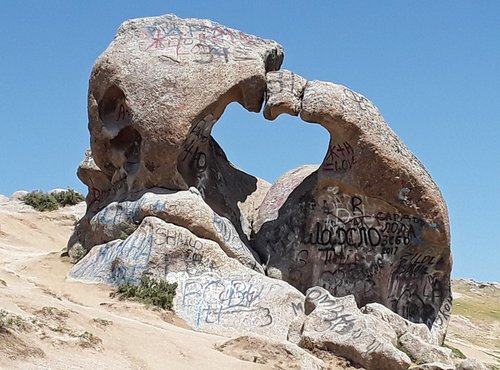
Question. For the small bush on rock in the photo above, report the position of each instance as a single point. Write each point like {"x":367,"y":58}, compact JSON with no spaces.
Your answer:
{"x":41,"y":201}
{"x":151,"y":291}
{"x":68,"y":197}
{"x":50,"y":202}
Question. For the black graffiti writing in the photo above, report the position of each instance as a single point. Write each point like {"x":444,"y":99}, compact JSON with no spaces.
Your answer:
{"x":333,"y":318}
{"x":123,"y":113}
{"x":350,"y":279}
{"x":414,"y":264}
{"x":339,"y":256}
{"x":387,"y":216}
{"x":338,"y":235}
{"x":196,"y":144}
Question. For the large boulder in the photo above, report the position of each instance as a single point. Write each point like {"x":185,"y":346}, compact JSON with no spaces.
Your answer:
{"x":369,"y":221}
{"x":368,"y":224}
{"x":215,"y":293}
{"x":400,"y":325}
{"x":154,"y":96}
{"x":423,"y":352}
{"x":337,"y":325}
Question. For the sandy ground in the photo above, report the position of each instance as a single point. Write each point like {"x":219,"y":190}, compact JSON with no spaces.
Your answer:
{"x":56,"y":324}
{"x":475,"y":321}
{"x":47,"y":322}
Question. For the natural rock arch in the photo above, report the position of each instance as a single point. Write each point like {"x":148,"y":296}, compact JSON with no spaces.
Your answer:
{"x":369,"y":221}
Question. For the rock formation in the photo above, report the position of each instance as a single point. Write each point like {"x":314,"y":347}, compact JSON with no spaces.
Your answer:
{"x":368,"y":225}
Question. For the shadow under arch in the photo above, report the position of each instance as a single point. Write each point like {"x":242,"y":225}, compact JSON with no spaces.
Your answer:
{"x":229,"y":191}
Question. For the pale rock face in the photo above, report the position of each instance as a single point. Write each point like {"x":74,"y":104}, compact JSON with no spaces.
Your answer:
{"x":400,"y":325}
{"x":337,"y":325}
{"x":215,"y":294}
{"x":424,"y":352}
{"x":184,"y":208}
{"x":368,"y":224}
{"x":56,"y":191}
{"x":471,"y":364}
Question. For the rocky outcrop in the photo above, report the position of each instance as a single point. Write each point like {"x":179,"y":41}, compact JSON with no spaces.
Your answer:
{"x":368,"y":225}
{"x":470,"y":364}
{"x":369,"y":221}
{"x":154,"y":96}
{"x":337,"y":325}
{"x":400,"y":325}
{"x":422,"y":352}
{"x":215,"y":294}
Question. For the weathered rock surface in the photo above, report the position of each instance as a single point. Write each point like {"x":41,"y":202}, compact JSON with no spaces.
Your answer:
{"x":337,"y":325}
{"x":184,"y":208}
{"x":423,"y":352}
{"x":432,"y":366}
{"x":18,"y":195}
{"x":154,"y":96}
{"x":400,"y":325}
{"x":471,"y":364}
{"x":215,"y":294}
{"x":369,"y":221}
{"x":367,"y":225}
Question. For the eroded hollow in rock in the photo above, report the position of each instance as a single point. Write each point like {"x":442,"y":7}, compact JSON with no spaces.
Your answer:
{"x":113,"y":110}
{"x":126,"y":149}
{"x":369,"y":221}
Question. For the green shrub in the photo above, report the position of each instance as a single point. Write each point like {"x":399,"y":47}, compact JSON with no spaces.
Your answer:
{"x":12,"y":321}
{"x":68,"y":197}
{"x":41,"y":201}
{"x":50,"y":202}
{"x":151,"y":291}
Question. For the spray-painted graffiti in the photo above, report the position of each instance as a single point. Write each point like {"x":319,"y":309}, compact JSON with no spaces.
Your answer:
{"x":340,"y":157}
{"x":206,"y":42}
{"x":116,"y":262}
{"x":414,"y":264}
{"x":211,"y":299}
{"x":346,"y":243}
{"x":343,"y":221}
{"x":343,"y":321}
{"x":227,"y":232}
{"x":334,"y":317}
{"x":196,"y":144}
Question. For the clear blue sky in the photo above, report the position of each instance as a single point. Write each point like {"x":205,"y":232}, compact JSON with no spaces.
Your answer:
{"x":431,"y":67}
